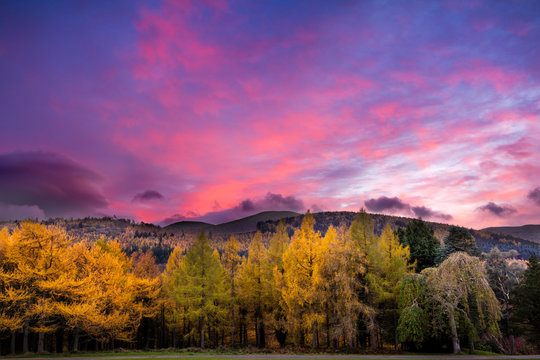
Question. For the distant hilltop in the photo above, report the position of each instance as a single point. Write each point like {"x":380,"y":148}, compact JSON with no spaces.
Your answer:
{"x":141,"y":236}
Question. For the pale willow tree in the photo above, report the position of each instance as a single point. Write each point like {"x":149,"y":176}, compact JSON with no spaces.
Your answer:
{"x":301,"y":301}
{"x":457,"y":285}
{"x":337,"y":282}
{"x":254,"y":285}
{"x":231,"y":262}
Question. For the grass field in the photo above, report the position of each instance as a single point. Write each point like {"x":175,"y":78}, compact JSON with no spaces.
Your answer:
{"x":215,"y":355}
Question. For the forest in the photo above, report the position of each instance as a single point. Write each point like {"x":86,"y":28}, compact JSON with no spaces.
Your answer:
{"x":350,"y":288}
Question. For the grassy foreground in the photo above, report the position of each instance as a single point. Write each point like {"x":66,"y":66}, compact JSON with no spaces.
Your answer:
{"x":228,"y":355}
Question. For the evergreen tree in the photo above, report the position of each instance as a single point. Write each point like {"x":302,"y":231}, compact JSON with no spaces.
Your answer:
{"x":422,"y":243}
{"x":526,"y":301}
{"x":458,"y":239}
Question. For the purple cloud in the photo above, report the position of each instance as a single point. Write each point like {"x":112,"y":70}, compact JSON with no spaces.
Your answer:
{"x":148,"y":195}
{"x":534,"y":195}
{"x":424,"y":212}
{"x":395,"y":204}
{"x":498,"y":210}
{"x":51,"y":182}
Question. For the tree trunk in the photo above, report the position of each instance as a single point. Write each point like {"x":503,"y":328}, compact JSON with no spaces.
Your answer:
{"x":453,"y":329}
{"x":314,"y":335}
{"x":25,"y":338}
{"x":76,"y":340}
{"x":262,"y":335}
{"x":232,"y":325}
{"x":41,"y":342}
{"x":60,"y":340}
{"x":13,"y":339}
{"x":201,"y":327}
{"x":396,"y":343}
{"x":512,"y":345}
{"x":372,"y":323}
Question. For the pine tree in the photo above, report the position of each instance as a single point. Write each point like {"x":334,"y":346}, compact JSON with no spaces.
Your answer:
{"x":423,"y":244}
{"x":525,"y":299}
{"x":458,"y":239}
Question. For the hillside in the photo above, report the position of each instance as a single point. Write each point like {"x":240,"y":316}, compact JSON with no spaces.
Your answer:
{"x":527,"y":232}
{"x":247,"y":224}
{"x":135,"y":237}
{"x":485,"y":240}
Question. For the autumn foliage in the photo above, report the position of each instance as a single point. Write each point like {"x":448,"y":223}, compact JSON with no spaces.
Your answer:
{"x":348,"y":288}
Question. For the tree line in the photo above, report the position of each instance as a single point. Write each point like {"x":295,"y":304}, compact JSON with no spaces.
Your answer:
{"x":347,"y":289}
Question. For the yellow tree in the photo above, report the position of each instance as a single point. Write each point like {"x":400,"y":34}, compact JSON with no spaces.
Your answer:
{"x":362,"y":233}
{"x":202,"y":287}
{"x":36,"y":252}
{"x":231,"y":263}
{"x":171,"y":281}
{"x":254,"y":280}
{"x":394,"y":267}
{"x":337,"y":281}
{"x":276,"y":249}
{"x":13,"y":297}
{"x":298,"y":293}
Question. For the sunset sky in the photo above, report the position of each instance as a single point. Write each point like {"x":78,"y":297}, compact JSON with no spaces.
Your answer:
{"x":161,"y":111}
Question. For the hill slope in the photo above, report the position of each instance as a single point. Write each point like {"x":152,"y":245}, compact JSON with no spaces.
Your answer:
{"x":485,"y":240}
{"x":247,"y":224}
{"x":527,"y":232}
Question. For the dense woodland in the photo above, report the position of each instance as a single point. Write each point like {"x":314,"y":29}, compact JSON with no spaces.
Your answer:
{"x":355,"y":286}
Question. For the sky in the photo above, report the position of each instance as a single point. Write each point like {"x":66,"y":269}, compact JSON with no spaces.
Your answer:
{"x":162,"y":111}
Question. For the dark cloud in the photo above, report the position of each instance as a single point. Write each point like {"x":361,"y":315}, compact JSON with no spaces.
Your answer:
{"x":534,"y":195}
{"x":384,"y":203}
{"x":395,"y":204}
{"x":56,"y":185}
{"x":148,"y":195}
{"x":20,"y":212}
{"x":425,"y":213}
{"x":270,"y":202}
{"x":498,"y":210}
